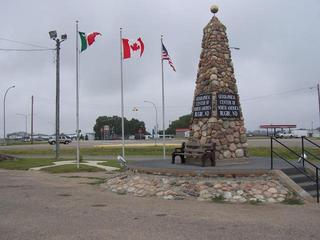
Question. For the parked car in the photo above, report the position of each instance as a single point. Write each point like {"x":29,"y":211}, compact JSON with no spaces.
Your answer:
{"x":62,"y":139}
{"x":285,"y":135}
{"x":26,"y":139}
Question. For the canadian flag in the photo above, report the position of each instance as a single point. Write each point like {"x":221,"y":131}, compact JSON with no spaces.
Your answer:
{"x":132,"y":47}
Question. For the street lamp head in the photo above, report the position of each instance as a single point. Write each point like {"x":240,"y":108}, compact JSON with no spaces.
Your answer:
{"x":64,"y":37}
{"x":53,"y":34}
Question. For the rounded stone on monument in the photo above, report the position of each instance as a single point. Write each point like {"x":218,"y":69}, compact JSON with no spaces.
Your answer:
{"x":214,"y":9}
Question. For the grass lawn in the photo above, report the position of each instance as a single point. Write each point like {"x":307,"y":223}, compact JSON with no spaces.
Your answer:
{"x":149,"y":151}
{"x":69,"y":168}
{"x":95,"y":151}
{"x":10,"y":142}
{"x":265,"y":152}
{"x":25,"y":164}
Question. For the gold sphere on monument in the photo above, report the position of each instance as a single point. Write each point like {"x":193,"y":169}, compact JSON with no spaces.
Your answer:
{"x":214,"y":9}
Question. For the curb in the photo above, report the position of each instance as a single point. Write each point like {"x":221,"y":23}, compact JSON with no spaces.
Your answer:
{"x":200,"y":173}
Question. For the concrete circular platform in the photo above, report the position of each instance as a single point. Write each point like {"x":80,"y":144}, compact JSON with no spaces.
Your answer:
{"x":244,"y":165}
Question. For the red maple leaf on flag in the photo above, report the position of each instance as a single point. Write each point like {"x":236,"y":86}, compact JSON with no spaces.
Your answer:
{"x":130,"y":47}
{"x":135,"y":47}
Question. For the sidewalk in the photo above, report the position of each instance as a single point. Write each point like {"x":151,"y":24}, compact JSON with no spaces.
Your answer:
{"x":91,"y":163}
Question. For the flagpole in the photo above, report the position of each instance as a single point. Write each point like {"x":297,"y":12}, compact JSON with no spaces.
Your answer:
{"x":77,"y":92}
{"x":163,"y":117}
{"x":122,"y":104}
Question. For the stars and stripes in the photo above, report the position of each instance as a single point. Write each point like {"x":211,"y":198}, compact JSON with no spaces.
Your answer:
{"x":165,"y":56}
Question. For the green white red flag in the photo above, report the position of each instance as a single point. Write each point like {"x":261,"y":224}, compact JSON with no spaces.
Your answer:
{"x":87,"y":40}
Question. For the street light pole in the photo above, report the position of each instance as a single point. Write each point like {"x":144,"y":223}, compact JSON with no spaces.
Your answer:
{"x":155,"y":108}
{"x":4,"y":115}
{"x":57,"y":98}
{"x":53,"y":36}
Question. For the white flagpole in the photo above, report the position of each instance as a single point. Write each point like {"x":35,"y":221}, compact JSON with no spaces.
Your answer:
{"x":163,"y":118}
{"x":122,"y":104}
{"x":77,"y":92}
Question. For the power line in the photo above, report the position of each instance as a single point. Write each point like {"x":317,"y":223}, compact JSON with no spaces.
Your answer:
{"x":276,"y":94}
{"x":25,"y":50}
{"x":23,"y":43}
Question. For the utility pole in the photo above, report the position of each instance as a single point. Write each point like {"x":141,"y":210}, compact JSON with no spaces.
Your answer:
{"x":31,"y":132}
{"x":53,"y":35}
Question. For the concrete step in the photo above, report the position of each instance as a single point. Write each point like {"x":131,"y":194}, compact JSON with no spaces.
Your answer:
{"x":303,"y":181}
{"x":308,"y":186}
{"x":292,"y":171}
{"x":313,"y":193}
{"x":300,"y":178}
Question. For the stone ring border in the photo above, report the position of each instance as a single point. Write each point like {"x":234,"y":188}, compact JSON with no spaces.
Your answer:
{"x":276,"y":174}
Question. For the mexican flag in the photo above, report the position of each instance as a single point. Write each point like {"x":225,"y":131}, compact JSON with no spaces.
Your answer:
{"x":87,"y":39}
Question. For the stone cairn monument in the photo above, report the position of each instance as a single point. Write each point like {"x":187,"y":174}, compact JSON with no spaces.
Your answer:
{"x":216,"y":112}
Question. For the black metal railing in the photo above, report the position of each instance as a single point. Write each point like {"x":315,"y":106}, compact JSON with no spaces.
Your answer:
{"x":304,"y":150}
{"x":312,"y":178}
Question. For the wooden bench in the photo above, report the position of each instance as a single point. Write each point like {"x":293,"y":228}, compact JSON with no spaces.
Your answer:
{"x":197,"y":151}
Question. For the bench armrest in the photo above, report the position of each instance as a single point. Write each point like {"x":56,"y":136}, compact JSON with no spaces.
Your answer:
{"x":178,"y":149}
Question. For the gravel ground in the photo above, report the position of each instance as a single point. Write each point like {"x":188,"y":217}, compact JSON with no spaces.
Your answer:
{"x":36,"y":205}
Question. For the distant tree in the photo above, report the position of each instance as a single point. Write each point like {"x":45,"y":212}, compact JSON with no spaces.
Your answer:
{"x":182,"y":122}
{"x":131,"y":127}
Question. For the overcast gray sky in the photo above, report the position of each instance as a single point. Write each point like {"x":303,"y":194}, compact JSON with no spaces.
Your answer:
{"x":279,"y":43}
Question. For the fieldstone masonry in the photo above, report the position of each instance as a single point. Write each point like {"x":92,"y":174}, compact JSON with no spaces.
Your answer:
{"x":217,"y":115}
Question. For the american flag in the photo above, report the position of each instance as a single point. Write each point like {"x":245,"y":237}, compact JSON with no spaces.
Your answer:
{"x":165,"y":56}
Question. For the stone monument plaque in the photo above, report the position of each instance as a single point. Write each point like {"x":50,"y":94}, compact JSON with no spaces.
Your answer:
{"x":227,"y":105}
{"x":202,"y":106}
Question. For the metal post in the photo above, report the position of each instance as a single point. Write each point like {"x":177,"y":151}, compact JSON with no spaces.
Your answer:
{"x":77,"y":93}
{"x":302,"y":147}
{"x":122,"y":104}
{"x":317,"y":179}
{"x":163,"y":115}
{"x":271,"y":138}
{"x":4,"y":115}
{"x":57,"y":98}
{"x":31,"y":132}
